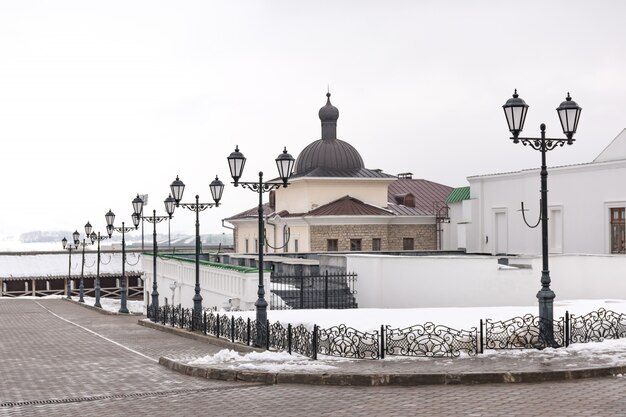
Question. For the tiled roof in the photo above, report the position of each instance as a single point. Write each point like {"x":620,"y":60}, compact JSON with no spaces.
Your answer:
{"x":426,"y":195}
{"x":343,"y":173}
{"x":349,"y":206}
{"x":458,"y":194}
{"x":253,"y":212}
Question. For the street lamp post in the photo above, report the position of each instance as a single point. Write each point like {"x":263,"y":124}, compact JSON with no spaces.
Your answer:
{"x":515,"y":110}
{"x":110,"y":218}
{"x":285,"y":163}
{"x":154,"y":219}
{"x":170,"y":204}
{"x":97,"y":238}
{"x":70,"y":248}
{"x":81,"y":286}
{"x":217,"y":188}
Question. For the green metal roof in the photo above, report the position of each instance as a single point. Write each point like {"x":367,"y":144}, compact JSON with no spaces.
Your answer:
{"x":458,"y":194}
{"x":203,"y":262}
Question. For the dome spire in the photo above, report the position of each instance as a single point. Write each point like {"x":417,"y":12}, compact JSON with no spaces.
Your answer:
{"x":329,"y":115}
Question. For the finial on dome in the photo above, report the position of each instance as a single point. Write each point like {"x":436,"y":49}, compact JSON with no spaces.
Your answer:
{"x":329,"y":115}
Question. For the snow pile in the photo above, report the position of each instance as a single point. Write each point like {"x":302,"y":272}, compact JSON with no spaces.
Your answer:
{"x":113,"y":304}
{"x":265,"y":361}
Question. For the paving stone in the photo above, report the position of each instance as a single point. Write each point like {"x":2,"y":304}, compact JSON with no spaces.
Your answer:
{"x":109,"y":367}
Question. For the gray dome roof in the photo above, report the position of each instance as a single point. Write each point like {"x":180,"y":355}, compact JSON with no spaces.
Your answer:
{"x":328,"y":152}
{"x":333,"y":154}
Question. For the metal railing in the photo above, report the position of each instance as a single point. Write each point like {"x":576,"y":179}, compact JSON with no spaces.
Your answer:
{"x":312,"y":291}
{"x":428,"y":340}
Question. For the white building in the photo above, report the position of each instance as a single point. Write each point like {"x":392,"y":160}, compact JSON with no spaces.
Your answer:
{"x":334,"y":203}
{"x":586,"y":209}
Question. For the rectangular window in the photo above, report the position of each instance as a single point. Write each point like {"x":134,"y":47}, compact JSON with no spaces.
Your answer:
{"x":256,"y":245}
{"x":355,"y":244}
{"x":332,"y":245}
{"x":408,"y":243}
{"x":618,"y":235}
{"x":246,"y":246}
{"x":376,"y":244}
{"x":295,"y":245}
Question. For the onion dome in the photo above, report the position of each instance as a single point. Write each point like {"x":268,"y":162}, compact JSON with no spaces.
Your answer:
{"x":328,"y":152}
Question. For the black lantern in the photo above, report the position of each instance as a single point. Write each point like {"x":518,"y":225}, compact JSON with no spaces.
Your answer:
{"x":88,"y":229}
{"x":515,"y":110}
{"x":110,"y":230}
{"x":76,"y":235}
{"x":64,"y":242}
{"x":236,"y":162}
{"x":285,"y":163}
{"x":137,"y":205}
{"x":177,"y":187}
{"x":170,"y":204}
{"x":569,"y":113}
{"x":93,"y":236}
{"x":110,"y":218}
{"x":217,"y":188}
{"x":136,"y":219}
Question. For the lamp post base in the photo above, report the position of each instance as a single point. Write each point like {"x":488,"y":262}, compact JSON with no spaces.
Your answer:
{"x":546,"y":318}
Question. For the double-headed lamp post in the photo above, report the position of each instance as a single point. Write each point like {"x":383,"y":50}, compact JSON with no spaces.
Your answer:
{"x":178,"y":187}
{"x":70,"y":248}
{"x":95,"y":237}
{"x":154,"y":219}
{"x":515,"y":110}
{"x":285,"y":163}
{"x":110,"y":218}
{"x":81,"y":286}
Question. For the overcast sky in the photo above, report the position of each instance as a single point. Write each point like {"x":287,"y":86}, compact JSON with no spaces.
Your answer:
{"x":103,"y":100}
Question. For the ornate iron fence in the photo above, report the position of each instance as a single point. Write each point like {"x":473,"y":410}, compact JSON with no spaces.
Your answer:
{"x":523,"y":333}
{"x":597,"y":326}
{"x":430,"y":340}
{"x":427,"y":340}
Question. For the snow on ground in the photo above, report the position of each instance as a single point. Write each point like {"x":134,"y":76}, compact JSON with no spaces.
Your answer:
{"x":370,"y":319}
{"x":110,"y":304}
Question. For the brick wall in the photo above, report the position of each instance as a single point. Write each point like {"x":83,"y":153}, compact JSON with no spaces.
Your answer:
{"x":424,"y":236}
{"x":391,"y":236}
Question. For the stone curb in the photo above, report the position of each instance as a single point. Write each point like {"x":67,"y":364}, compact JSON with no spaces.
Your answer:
{"x":220,"y":342}
{"x":102,"y":311}
{"x":469,"y":378}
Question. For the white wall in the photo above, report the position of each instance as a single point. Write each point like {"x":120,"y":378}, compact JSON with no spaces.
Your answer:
{"x":305,"y":194}
{"x":217,"y":285}
{"x":475,"y":281}
{"x":579,"y":198}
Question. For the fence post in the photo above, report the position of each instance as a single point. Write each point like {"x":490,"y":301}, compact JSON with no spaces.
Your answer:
{"x":204,"y":323}
{"x":567,"y":330}
{"x":232,"y":329}
{"x":315,"y":342}
{"x":289,"y":338}
{"x":382,"y":341}
{"x":301,"y":275}
{"x":326,"y":289}
{"x":217,"y":325}
{"x":248,"y":332}
{"x":482,"y":350}
{"x":267,"y":335}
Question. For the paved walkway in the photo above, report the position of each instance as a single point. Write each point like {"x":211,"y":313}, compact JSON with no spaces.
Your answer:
{"x":58,"y":358}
